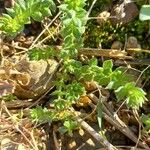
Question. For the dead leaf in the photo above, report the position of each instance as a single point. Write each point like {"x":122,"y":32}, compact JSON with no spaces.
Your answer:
{"x":83,"y":101}
{"x":6,"y":88}
{"x":90,"y":86}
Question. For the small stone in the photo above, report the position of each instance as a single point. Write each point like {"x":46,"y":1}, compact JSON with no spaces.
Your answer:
{"x":123,"y":13}
{"x":117,"y":45}
{"x":6,"y":144}
{"x":132,"y":42}
{"x":103,"y":17}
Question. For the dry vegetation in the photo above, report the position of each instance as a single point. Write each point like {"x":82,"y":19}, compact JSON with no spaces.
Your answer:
{"x":74,"y":75}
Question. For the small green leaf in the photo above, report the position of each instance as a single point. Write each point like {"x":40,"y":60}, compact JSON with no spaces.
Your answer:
{"x":108,"y":64}
{"x":93,"y":62}
{"x":40,"y":114}
{"x":60,"y":104}
{"x":70,"y":125}
{"x":37,"y":16}
{"x":63,"y":7}
{"x":6,"y":16}
{"x":10,"y":12}
{"x":133,"y":95}
{"x":107,"y":67}
{"x":118,"y":78}
{"x":46,"y":12}
{"x":22,"y":4}
{"x":121,"y":93}
{"x":41,"y":53}
{"x":74,"y":91}
{"x":62,"y":129}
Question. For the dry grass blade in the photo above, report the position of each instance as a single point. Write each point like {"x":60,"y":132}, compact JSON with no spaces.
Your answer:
{"x":16,"y":127}
{"x":44,"y":30}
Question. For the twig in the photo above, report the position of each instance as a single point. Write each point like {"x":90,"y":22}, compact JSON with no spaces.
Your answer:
{"x":16,"y":125}
{"x":57,"y":145}
{"x":49,"y":36}
{"x":48,"y":30}
{"x":17,"y":104}
{"x":32,"y":137}
{"x":133,"y":62}
{"x":93,"y":133}
{"x":124,"y":147}
{"x":138,"y":50}
{"x":17,"y":47}
{"x":90,"y":18}
{"x":125,"y":130}
{"x":125,"y":44}
{"x":105,"y":53}
{"x":142,"y":73}
{"x":34,"y":146}
{"x":136,"y":115}
{"x":44,"y":30}
{"x":119,"y":124}
{"x":92,"y":5}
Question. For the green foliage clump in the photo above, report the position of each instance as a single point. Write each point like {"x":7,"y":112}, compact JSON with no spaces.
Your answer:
{"x":68,"y":91}
{"x":42,"y":53}
{"x":133,"y":95}
{"x":68,"y":84}
{"x":146,"y":120}
{"x":22,"y":12}
{"x":9,"y":97}
{"x":74,"y":21}
{"x":116,"y":80}
{"x":41,"y":114}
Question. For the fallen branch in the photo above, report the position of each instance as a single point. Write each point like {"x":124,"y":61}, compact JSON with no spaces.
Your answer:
{"x":138,"y":50}
{"x":132,"y":62}
{"x":93,"y":133}
{"x":104,"y":53}
{"x":112,"y":53}
{"x":118,"y":123}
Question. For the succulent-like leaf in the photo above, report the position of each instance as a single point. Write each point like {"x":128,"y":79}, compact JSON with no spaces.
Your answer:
{"x":13,"y":22}
{"x":133,"y":95}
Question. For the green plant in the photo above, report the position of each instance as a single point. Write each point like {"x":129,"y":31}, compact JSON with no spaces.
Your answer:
{"x":8,"y":97}
{"x":68,"y":92}
{"x":22,"y":12}
{"x":68,"y":84}
{"x":146,"y":120}
{"x":116,"y":80}
{"x":73,"y":20}
{"x":42,"y":53}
